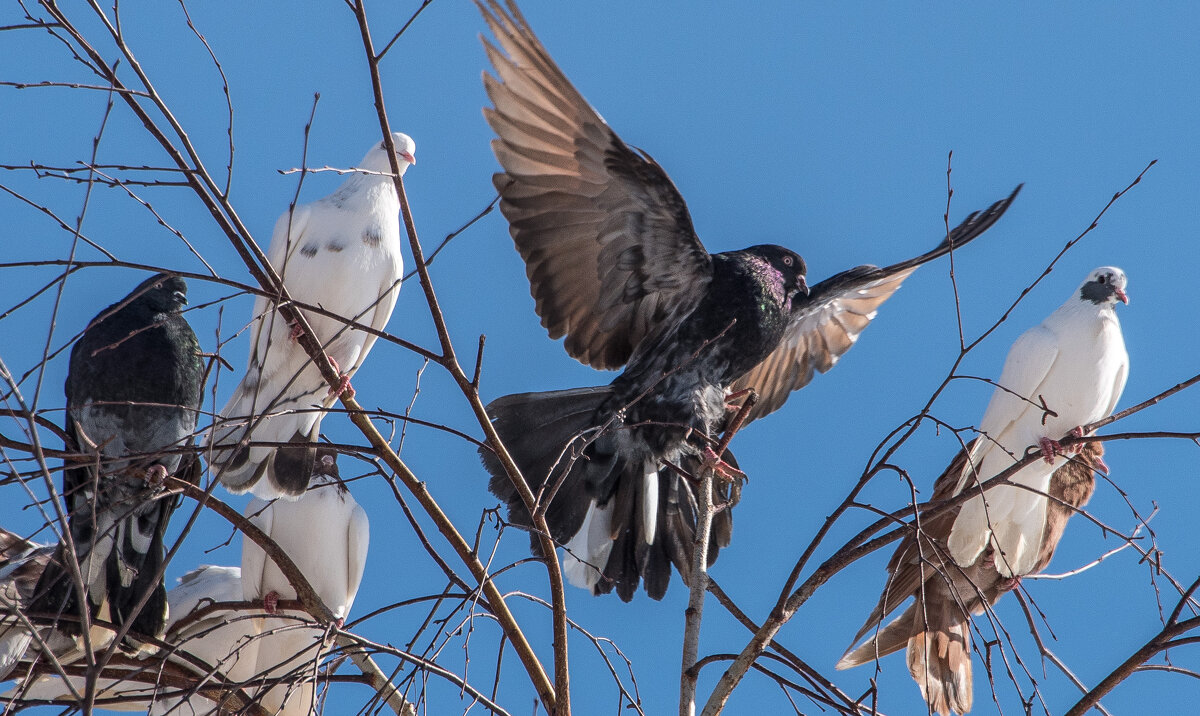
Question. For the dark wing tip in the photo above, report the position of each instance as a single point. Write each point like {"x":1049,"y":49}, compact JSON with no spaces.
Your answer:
{"x":972,"y":227}
{"x":979,"y":221}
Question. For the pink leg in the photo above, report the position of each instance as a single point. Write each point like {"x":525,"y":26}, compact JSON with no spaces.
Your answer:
{"x":343,"y":385}
{"x":734,"y":407}
{"x":1076,"y":432}
{"x":296,"y":331}
{"x":271,"y":602}
{"x":723,"y":469}
{"x":1009,"y":584}
{"x":1050,"y":448}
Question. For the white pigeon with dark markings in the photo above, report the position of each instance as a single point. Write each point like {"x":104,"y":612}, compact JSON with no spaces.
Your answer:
{"x":341,"y":253}
{"x":1075,"y":361}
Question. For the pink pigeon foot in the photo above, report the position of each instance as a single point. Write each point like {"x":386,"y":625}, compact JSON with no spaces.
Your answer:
{"x":1008,"y":584}
{"x":343,"y":385}
{"x":1076,"y":432}
{"x":296,"y":331}
{"x":156,"y":475}
{"x":713,"y":462}
{"x":734,"y":407}
{"x":1050,"y":448}
{"x":271,"y":602}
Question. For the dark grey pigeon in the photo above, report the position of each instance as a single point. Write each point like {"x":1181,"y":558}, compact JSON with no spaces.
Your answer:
{"x":133,"y":395}
{"x":616,"y":267}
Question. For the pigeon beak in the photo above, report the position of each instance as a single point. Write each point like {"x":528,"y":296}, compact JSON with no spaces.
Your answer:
{"x":181,"y":297}
{"x":406,"y":156}
{"x":801,"y":285}
{"x":1123,"y":296}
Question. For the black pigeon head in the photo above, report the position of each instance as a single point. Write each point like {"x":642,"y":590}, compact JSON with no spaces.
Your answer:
{"x":326,"y":462}
{"x":1105,"y":285}
{"x":163,"y":293}
{"x":788,"y":263}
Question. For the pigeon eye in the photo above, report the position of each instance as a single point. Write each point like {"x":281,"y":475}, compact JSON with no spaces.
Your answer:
{"x":1102,"y":278}
{"x":787,"y":260}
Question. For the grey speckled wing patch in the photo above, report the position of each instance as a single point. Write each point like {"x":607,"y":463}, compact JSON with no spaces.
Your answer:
{"x":372,"y":236}
{"x":309,"y":250}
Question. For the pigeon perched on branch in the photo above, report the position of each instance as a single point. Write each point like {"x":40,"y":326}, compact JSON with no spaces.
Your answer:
{"x":341,"y":253}
{"x":134,"y":391}
{"x":936,"y":627}
{"x":326,"y":533}
{"x":616,"y":267}
{"x":1059,"y":376}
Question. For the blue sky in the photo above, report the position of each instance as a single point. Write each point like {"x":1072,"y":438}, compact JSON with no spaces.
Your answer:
{"x":822,"y":128}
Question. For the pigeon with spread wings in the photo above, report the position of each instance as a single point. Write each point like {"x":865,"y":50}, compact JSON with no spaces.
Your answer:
{"x":616,"y":267}
{"x":341,"y":253}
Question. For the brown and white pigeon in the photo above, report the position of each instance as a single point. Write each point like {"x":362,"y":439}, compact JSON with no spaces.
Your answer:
{"x":936,"y":627}
{"x":21,"y":566}
{"x":616,"y":267}
{"x":341,"y":253}
{"x":1075,"y":364}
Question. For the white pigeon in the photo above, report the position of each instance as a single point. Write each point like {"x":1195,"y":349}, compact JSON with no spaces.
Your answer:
{"x":222,"y":640}
{"x":1076,"y":362}
{"x":341,"y":253}
{"x":326,"y":534}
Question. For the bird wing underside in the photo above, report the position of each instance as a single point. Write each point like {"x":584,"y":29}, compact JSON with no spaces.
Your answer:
{"x":837,"y":311}
{"x":607,"y":240}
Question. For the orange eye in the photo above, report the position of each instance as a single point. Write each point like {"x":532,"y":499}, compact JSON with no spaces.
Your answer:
{"x":787,"y":260}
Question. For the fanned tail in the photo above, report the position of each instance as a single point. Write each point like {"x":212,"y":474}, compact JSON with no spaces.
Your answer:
{"x":546,"y":433}
{"x":620,"y":518}
{"x":937,"y":635}
{"x":940,"y":662}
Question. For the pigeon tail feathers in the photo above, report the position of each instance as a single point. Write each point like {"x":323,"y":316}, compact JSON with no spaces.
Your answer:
{"x":621,"y":521}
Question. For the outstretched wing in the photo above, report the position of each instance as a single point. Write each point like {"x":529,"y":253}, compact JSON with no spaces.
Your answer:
{"x":836,"y":312}
{"x":607,"y":240}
